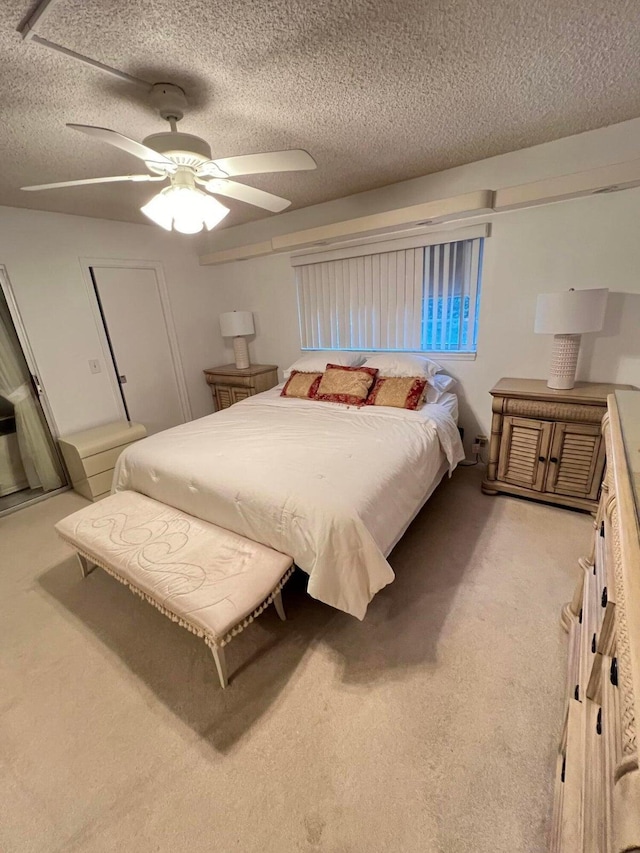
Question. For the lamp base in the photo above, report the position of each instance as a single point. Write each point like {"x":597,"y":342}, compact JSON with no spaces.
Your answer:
{"x":241,"y":353}
{"x":564,"y":361}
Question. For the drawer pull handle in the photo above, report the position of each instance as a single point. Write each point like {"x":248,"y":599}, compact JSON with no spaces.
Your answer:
{"x":602,"y":529}
{"x":599,"y":722}
{"x":564,"y":767}
{"x":576,"y":693}
{"x":604,"y":599}
{"x":580,"y":616}
{"x":613,"y":673}
{"x":554,"y":459}
{"x":593,"y":644}
{"x":541,"y":459}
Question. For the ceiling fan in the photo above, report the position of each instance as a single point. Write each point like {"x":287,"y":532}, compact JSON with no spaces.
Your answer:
{"x":185,"y":161}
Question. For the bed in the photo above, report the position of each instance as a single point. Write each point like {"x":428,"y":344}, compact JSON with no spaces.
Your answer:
{"x":332,"y":486}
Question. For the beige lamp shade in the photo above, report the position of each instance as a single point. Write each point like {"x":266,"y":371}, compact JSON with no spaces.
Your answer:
{"x":571,"y":312}
{"x":235,"y":323}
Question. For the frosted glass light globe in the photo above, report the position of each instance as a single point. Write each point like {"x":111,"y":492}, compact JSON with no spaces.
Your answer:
{"x":187,"y":209}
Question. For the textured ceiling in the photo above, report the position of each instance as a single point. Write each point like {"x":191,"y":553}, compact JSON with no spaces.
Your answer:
{"x":377,"y":90}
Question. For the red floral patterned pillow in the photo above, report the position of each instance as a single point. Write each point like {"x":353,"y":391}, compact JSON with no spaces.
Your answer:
{"x":340,"y":384}
{"x":302,"y":385}
{"x":401,"y":392}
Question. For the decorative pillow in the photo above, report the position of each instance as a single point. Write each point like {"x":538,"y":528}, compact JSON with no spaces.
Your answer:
{"x":403,"y":364}
{"x":311,"y":362}
{"x":340,"y":384}
{"x":437,"y":385}
{"x":300,"y":384}
{"x":402,"y":392}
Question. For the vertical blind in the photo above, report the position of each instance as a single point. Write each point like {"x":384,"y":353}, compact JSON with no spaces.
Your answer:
{"x":370,"y":302}
{"x":414,"y":298}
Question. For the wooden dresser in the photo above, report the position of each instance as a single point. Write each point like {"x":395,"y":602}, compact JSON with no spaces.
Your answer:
{"x":597,"y":793}
{"x":229,"y":383}
{"x":547,"y":444}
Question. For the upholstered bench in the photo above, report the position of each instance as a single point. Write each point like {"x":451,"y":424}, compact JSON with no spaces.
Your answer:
{"x":213,"y":582}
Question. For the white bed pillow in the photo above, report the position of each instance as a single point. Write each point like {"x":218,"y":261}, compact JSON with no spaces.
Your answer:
{"x":403,"y":364}
{"x":437,"y":386}
{"x":313,"y":362}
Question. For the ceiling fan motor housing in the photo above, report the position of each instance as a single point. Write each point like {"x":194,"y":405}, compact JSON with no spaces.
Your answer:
{"x":183,"y":148}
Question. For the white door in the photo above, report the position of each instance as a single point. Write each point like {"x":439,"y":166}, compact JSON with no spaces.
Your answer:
{"x":136,"y":329}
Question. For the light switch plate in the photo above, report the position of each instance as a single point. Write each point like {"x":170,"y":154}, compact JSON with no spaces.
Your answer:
{"x":94,"y":365}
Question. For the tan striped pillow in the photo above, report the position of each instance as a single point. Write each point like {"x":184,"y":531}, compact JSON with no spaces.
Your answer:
{"x":401,"y":392}
{"x":303,"y":385}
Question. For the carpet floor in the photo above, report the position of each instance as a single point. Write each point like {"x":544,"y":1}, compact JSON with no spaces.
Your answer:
{"x":431,"y":726}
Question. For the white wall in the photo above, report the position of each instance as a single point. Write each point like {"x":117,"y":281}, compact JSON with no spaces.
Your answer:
{"x":41,"y":252}
{"x":589,"y":242}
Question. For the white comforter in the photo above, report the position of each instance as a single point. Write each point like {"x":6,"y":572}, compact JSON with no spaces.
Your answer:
{"x":332,"y":486}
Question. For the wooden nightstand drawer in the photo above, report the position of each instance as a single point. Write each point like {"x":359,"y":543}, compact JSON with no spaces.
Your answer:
{"x":230,"y":384}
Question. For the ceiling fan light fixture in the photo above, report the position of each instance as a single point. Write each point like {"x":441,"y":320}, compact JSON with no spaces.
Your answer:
{"x":185,"y":209}
{"x":214,"y":211}
{"x":159,"y":211}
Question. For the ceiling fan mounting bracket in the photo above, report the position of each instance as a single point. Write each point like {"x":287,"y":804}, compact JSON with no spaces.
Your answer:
{"x":169,"y":100}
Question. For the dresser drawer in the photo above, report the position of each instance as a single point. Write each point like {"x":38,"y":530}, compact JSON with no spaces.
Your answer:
{"x":95,"y":487}
{"x":611,"y":740}
{"x":594,"y":783}
{"x":606,"y":588}
{"x":570,"y":829}
{"x":588,"y":639}
{"x":101,"y":462}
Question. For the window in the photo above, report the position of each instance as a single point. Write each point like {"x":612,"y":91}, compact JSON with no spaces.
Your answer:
{"x":398,"y":295}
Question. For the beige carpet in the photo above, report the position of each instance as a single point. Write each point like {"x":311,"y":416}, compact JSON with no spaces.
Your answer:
{"x":429,"y":727}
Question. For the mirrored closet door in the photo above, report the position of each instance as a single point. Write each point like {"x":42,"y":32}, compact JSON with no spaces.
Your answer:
{"x":30,"y":467}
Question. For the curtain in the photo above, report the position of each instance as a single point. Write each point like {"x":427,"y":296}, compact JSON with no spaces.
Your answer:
{"x":38,"y":457}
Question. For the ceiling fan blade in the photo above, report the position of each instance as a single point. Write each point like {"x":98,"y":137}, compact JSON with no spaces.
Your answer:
{"x":250,"y":195}
{"x":295,"y":160}
{"x":112,"y":137}
{"x":108,"y":180}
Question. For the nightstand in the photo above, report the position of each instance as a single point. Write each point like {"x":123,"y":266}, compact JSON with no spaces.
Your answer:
{"x":547,"y":444}
{"x":91,"y":455}
{"x":229,"y":384}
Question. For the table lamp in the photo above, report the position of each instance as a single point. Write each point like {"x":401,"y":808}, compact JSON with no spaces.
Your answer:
{"x":568,"y":315}
{"x":236,"y":324}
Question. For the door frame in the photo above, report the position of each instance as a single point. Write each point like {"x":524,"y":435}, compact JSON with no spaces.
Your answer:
{"x":165,"y":304}
{"x":32,"y":365}
{"x":6,"y":288}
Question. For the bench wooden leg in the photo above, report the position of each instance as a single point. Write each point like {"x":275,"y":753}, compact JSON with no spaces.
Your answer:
{"x":86,"y":567}
{"x":277,"y":603}
{"x":221,"y":665}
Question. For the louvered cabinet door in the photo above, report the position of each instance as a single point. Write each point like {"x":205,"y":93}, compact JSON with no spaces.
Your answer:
{"x":523,"y":452}
{"x":238,"y":394}
{"x":224,"y":397}
{"x":576,"y":460}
